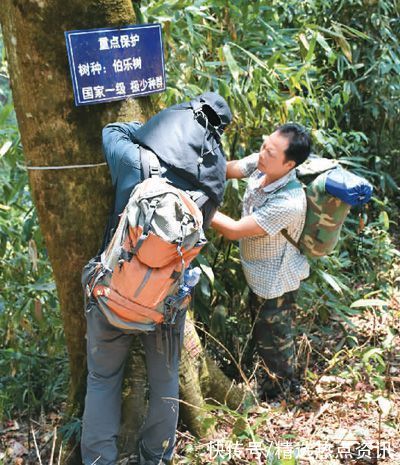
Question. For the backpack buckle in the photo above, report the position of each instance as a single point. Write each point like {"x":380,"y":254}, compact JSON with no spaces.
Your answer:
{"x":170,"y":311}
{"x":154,"y":171}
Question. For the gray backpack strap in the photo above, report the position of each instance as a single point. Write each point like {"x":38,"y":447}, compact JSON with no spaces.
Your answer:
{"x":199,"y":197}
{"x":150,"y":163}
{"x":146,"y":226}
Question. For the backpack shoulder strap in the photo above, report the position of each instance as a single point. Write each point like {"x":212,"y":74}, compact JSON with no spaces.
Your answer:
{"x":289,"y":238}
{"x":151,"y":167}
{"x":198,"y":197}
{"x":150,"y":164}
{"x":294,"y":183}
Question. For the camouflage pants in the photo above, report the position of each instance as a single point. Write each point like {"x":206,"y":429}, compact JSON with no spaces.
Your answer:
{"x":273,"y":332}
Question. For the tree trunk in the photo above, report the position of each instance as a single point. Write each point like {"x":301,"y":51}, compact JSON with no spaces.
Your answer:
{"x":215,"y":385}
{"x":72,"y":204}
{"x":134,"y":400}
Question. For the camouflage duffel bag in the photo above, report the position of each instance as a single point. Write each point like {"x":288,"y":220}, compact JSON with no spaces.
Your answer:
{"x":331,"y":191}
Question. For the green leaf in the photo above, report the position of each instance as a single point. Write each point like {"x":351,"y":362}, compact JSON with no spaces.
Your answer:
{"x":232,"y":64}
{"x":346,"y":48}
{"x":252,"y":56}
{"x":206,"y":268}
{"x":384,"y":219}
{"x":372,"y":353}
{"x":310,"y":52}
{"x":331,"y":281}
{"x":224,"y":89}
{"x":240,"y":427}
{"x":209,"y":422}
{"x":324,"y":44}
{"x":218,"y":320}
{"x":5,"y":148}
{"x":355,"y":32}
{"x":44,"y":286}
{"x":369,"y":303}
{"x":304,"y":41}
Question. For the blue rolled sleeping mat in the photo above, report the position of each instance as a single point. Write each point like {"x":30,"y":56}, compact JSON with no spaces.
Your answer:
{"x":348,"y":187}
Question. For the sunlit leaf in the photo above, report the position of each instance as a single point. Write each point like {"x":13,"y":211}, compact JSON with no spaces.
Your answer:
{"x":368,"y":303}
{"x":232,"y":64}
{"x":206,"y":268}
{"x":331,"y":280}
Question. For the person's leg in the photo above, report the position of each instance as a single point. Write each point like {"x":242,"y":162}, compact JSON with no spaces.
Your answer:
{"x":159,"y":430}
{"x":273,"y":334}
{"x":107,"y":348}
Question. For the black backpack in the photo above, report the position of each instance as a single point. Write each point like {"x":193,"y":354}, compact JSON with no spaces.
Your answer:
{"x":186,"y":138}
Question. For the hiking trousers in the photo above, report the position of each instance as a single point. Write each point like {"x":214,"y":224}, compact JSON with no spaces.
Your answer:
{"x":273,"y":332}
{"x":107,"y":350}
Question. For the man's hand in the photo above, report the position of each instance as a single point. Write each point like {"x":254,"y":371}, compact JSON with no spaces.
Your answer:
{"x":234,"y":230}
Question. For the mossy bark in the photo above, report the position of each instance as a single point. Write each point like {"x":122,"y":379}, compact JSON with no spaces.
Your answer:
{"x":192,"y":408}
{"x":202,"y":382}
{"x":134,"y":400}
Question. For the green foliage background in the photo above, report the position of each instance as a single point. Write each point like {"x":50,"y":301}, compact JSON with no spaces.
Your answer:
{"x":333,"y":66}
{"x":32,"y":350}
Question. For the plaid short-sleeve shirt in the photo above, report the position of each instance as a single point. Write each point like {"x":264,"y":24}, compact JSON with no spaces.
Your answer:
{"x":271,"y":264}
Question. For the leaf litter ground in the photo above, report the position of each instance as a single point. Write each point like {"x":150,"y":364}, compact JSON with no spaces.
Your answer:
{"x":337,"y":419}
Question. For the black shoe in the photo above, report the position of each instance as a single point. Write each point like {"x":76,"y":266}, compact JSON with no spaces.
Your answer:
{"x":146,"y":459}
{"x":295,"y":387}
{"x":152,"y":462}
{"x":133,"y":459}
{"x":270,"y":389}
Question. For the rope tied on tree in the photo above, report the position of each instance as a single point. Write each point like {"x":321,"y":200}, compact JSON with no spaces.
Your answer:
{"x":65,"y":167}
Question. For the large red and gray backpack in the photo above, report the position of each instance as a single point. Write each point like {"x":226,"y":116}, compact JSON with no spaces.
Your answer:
{"x":135,"y":281}
{"x":137,"y":278}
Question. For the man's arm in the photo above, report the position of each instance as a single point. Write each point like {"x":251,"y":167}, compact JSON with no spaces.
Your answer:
{"x":234,"y":230}
{"x":238,"y":169}
{"x":233,"y":171}
{"x":118,"y":144}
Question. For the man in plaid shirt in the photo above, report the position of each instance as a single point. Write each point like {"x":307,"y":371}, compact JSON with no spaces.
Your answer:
{"x":274,"y":268}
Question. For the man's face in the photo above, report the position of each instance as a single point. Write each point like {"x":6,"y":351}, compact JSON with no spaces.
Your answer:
{"x":272,"y":160}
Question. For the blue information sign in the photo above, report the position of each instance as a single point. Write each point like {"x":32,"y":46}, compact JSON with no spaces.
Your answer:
{"x":115,"y":63}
